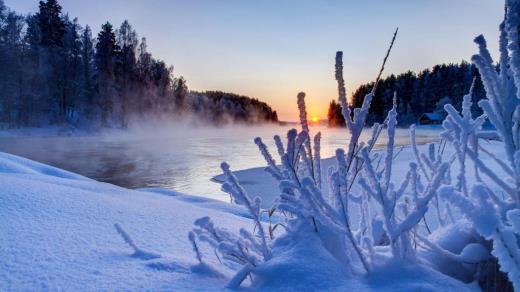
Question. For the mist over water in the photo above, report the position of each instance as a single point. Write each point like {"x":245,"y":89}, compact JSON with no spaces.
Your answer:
{"x":179,"y":157}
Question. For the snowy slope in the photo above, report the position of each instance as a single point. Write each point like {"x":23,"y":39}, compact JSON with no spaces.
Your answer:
{"x":58,"y":233}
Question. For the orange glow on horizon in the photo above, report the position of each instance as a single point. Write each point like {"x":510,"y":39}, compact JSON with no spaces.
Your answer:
{"x":315,"y":119}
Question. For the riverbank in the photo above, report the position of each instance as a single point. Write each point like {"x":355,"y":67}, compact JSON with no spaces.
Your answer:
{"x":58,"y":234}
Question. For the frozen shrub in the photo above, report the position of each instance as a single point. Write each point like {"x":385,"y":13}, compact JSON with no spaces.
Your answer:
{"x":246,"y":250}
{"x":493,"y":216}
{"x":379,"y":187}
{"x":303,"y":203}
{"x":390,"y":214}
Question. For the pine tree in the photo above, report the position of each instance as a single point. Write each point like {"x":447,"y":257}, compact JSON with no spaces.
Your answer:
{"x":87,"y":94}
{"x":106,"y":56}
{"x":70,"y":68}
{"x":51,"y":25}
{"x":334,"y":115}
{"x":180,"y":92}
{"x":11,"y":49}
{"x":46,"y":37}
{"x":125,"y":72}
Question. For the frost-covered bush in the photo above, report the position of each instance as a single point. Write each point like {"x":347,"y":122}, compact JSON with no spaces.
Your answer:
{"x":494,"y":213}
{"x":391,"y":218}
{"x":245,"y":249}
{"x":310,"y":205}
{"x":378,"y":186}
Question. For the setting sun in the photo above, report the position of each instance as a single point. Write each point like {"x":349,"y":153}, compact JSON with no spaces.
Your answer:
{"x":315,"y":119}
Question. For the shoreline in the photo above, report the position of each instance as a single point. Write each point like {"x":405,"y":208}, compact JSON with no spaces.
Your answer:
{"x":41,"y":203}
{"x":73,"y":217}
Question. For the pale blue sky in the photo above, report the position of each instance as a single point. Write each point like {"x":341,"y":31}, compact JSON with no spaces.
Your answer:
{"x":274,"y":49}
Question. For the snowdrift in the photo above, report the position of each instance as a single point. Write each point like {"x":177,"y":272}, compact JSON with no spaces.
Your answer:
{"x":58,"y":234}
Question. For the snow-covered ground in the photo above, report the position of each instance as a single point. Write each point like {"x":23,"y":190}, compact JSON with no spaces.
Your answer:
{"x":260,"y":183}
{"x":58,"y":233}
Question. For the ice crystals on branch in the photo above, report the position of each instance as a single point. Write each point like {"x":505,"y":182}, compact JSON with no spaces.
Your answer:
{"x":494,"y":217}
{"x":311,"y":204}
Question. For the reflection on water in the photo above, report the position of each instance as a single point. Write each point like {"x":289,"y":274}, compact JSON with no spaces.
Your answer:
{"x":182,"y":158}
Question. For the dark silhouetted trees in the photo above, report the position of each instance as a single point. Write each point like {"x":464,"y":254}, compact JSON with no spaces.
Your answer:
{"x":55,"y":73}
{"x":419,"y":93}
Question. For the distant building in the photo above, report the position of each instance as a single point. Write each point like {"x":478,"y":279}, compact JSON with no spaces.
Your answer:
{"x":430,"y":119}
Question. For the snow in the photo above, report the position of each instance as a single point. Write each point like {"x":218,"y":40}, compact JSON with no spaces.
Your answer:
{"x":307,"y":266}
{"x":453,"y":238}
{"x":58,"y":234}
{"x":258,"y":182}
{"x":14,"y":164}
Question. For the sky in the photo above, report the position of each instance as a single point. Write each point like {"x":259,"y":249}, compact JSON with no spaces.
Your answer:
{"x":273,"y":49}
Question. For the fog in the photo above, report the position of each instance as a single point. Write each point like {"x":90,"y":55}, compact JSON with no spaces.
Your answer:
{"x":179,"y":156}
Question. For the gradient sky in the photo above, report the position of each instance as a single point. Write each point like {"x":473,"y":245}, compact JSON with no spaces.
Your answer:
{"x":274,"y":49}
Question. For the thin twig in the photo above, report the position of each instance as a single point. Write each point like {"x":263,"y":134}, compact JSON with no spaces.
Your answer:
{"x":384,"y":61}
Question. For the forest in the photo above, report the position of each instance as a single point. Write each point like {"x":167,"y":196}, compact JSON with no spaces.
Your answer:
{"x":425,"y":92}
{"x":55,"y":72}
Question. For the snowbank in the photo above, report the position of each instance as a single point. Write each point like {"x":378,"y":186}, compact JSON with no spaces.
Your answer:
{"x":260,"y":183}
{"x":58,"y":234}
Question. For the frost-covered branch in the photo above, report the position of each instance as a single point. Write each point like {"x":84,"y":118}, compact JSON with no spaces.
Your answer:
{"x":384,"y":61}
{"x":233,"y":187}
{"x":459,"y":130}
{"x":244,"y":249}
{"x":381,"y":189}
{"x":486,"y":218}
{"x":271,"y":163}
{"x":138,"y":253}
{"x":317,"y":159}
{"x":494,"y":218}
{"x":232,"y":250}
{"x":191,"y":237}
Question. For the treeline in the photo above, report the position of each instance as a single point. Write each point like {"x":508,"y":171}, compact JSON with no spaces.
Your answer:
{"x":55,"y":72}
{"x":426,"y":92}
{"x":222,"y":107}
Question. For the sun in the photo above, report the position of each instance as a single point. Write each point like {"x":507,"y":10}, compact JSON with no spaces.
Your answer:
{"x":315,"y":119}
